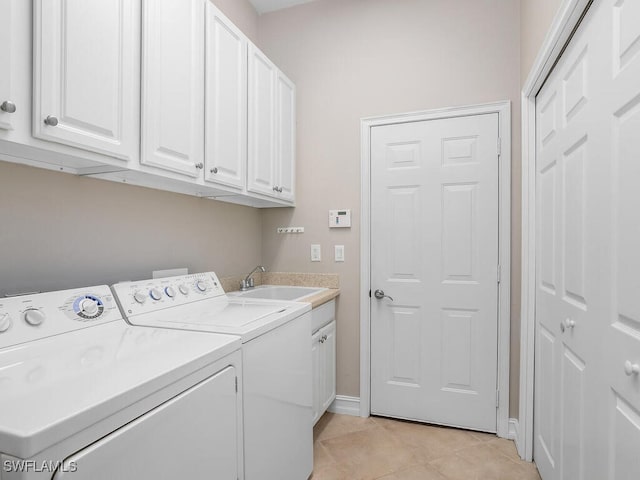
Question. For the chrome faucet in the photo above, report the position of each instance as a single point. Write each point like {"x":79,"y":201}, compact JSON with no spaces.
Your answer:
{"x":247,"y":283}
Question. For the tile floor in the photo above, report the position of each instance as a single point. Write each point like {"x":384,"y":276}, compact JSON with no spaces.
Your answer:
{"x":354,"y":448}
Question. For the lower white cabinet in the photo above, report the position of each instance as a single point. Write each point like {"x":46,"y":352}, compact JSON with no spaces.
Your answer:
{"x":323,"y":348}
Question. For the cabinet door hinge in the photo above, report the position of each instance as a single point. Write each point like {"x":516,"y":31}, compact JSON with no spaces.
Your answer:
{"x":499,"y":146}
{"x":499,"y":275}
{"x":236,"y":384}
{"x":497,"y":398}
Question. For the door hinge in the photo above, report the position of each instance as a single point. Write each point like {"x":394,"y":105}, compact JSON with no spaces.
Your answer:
{"x":499,"y":275}
{"x":497,"y":398}
{"x":499,"y":146}
{"x":369,"y":293}
{"x":236,"y":384}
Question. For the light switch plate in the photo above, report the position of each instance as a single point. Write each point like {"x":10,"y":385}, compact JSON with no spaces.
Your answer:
{"x":316,"y":253}
{"x":339,"y":253}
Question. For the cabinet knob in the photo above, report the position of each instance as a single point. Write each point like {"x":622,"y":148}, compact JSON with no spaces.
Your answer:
{"x":51,"y":121}
{"x":214,"y":170}
{"x":8,"y":107}
{"x":631,"y":368}
{"x":200,"y":166}
{"x":275,"y":188}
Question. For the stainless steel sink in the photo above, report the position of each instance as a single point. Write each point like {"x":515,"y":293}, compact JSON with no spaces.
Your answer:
{"x":279,"y":292}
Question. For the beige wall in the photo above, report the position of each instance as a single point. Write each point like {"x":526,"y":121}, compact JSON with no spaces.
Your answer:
{"x":59,"y":231}
{"x":356,"y":58}
{"x":536,"y":17}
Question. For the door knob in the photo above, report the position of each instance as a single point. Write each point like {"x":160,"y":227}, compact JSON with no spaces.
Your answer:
{"x":566,"y":324}
{"x":631,"y":368}
{"x":379,"y":294}
{"x":51,"y":121}
{"x":8,"y":107}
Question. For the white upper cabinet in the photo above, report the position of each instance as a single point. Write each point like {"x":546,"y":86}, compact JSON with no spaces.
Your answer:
{"x":173,"y":85}
{"x":8,"y":105}
{"x":226,"y":101}
{"x":262,"y":134}
{"x":285,"y":137}
{"x":271,"y":129}
{"x":86,"y":74}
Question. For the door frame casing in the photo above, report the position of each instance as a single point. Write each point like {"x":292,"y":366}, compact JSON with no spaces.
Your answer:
{"x":564,"y":24}
{"x":503,"y":109}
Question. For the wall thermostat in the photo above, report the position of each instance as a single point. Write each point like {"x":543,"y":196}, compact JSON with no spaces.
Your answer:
{"x":339,"y":218}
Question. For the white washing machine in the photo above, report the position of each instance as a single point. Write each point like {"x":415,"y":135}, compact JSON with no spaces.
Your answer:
{"x":276,"y":360}
{"x":84,"y":395}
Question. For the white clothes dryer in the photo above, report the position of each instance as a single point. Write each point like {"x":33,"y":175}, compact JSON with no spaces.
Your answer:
{"x":84,"y":395}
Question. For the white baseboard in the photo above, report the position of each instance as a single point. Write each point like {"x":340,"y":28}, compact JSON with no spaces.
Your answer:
{"x":514,"y":434}
{"x":346,"y":405}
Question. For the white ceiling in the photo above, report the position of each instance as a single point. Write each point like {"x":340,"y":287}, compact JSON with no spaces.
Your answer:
{"x":264,"y":6}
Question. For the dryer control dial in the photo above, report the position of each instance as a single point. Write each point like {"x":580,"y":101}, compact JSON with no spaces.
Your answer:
{"x":201,"y":285}
{"x":183,"y":289}
{"x":5,"y":322}
{"x":170,"y":291}
{"x":34,"y":316}
{"x":88,"y":307}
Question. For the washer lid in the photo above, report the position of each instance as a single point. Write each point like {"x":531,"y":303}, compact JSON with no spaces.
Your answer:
{"x":248,"y":318}
{"x":55,"y":387}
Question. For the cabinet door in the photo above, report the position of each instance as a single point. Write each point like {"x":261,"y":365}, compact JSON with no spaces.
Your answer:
{"x":173,"y":85}
{"x":262,"y":133}
{"x":328,"y":333}
{"x":226,"y":97}
{"x":86,"y":57}
{"x":286,"y":137}
{"x":7,"y":39}
{"x":318,"y":379}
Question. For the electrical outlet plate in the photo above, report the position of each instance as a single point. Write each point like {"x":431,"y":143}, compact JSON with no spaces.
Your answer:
{"x":290,"y":230}
{"x":339,"y":253}
{"x":316,"y":253}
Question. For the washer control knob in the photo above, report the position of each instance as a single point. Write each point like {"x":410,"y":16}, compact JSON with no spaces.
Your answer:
{"x":201,"y":285}
{"x":631,"y":368}
{"x":88,"y":307}
{"x":183,"y":289}
{"x":170,"y":291}
{"x":140,"y":297}
{"x":34,"y":316}
{"x":5,"y":322}
{"x":155,"y":293}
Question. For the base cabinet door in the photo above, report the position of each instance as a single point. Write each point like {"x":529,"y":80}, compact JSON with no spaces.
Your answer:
{"x":86,"y":74}
{"x":323,"y":348}
{"x":173,"y":86}
{"x":317,"y":375}
{"x":328,"y":334}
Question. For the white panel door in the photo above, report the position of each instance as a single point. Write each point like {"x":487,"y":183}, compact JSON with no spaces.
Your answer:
{"x":286,"y":137}
{"x":622,"y":337}
{"x":262,"y":124}
{"x":434,"y":250}
{"x":587,"y":391}
{"x":86,"y":77}
{"x":7,"y":52}
{"x":226,"y":101}
{"x":173,"y":85}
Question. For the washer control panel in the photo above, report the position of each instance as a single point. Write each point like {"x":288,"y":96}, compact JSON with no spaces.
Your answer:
{"x":32,"y":317}
{"x":146,"y":296}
